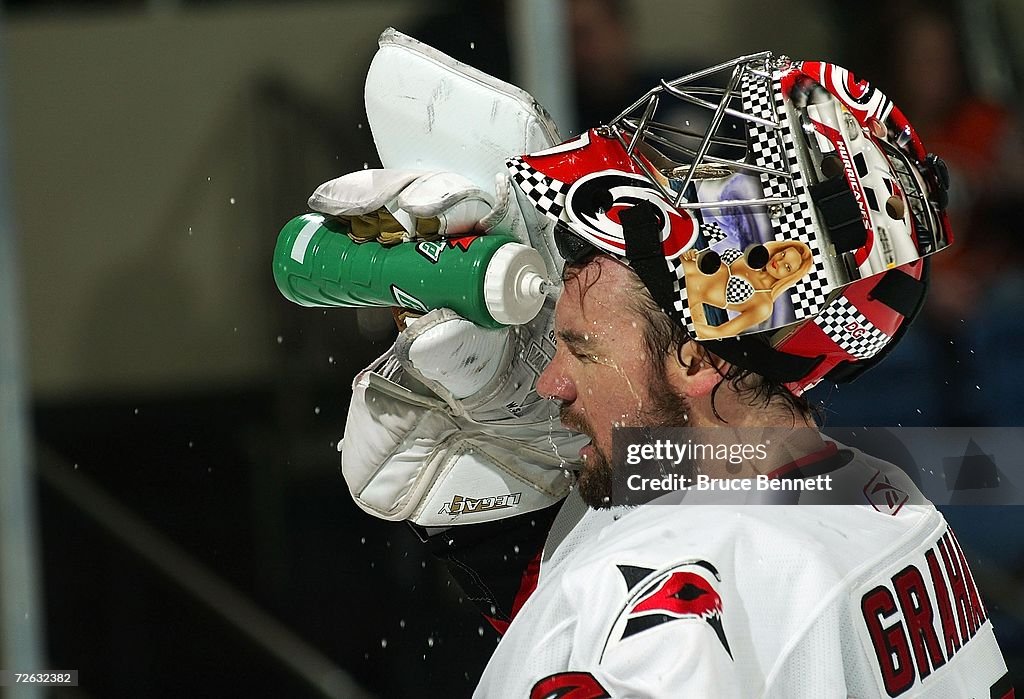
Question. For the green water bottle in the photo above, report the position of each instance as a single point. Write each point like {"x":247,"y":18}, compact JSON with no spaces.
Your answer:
{"x":491,"y":280}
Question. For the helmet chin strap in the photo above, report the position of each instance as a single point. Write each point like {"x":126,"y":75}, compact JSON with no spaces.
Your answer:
{"x":641,"y":232}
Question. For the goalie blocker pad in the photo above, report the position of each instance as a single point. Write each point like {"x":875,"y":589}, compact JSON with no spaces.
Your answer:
{"x":406,"y":457}
{"x":427,"y":111}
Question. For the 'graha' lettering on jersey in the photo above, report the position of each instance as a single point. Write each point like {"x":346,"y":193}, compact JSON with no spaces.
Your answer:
{"x":684,"y":591}
{"x":919,"y":619}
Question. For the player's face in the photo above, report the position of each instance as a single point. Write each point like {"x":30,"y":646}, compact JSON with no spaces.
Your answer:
{"x":602,"y":372}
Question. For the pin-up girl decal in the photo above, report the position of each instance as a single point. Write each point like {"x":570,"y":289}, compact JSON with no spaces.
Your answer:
{"x":747,"y":284}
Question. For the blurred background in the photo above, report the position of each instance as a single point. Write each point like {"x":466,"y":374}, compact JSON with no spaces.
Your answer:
{"x":173,"y":522}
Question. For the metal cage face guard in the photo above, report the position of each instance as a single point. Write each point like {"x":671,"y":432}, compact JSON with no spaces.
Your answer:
{"x":802,"y":187}
{"x":796,"y":125}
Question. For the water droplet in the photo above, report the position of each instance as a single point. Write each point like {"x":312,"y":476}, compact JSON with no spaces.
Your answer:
{"x":316,"y":410}
{"x":472,"y":45}
{"x":280,"y":339}
{"x":231,"y":200}
{"x":480,"y":630}
{"x":401,"y":623}
{"x":362,"y":540}
{"x":430,"y":642}
{"x":383,"y":643}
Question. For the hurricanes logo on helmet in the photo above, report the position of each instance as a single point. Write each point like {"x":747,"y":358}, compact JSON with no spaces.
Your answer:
{"x":595,"y":201}
{"x":860,"y":96}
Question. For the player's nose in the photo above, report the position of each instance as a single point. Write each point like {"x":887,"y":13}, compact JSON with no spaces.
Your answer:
{"x":554,"y":381}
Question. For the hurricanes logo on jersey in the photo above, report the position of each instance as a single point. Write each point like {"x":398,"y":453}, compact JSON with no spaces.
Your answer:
{"x":569,"y":685}
{"x":687,"y":591}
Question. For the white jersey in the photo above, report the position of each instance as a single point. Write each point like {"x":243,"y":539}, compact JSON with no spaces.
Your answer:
{"x":754,"y":601}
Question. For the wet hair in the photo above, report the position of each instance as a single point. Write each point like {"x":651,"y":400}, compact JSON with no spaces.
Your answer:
{"x":662,"y":336}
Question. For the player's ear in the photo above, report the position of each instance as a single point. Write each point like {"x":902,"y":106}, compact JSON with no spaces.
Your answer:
{"x":693,"y":371}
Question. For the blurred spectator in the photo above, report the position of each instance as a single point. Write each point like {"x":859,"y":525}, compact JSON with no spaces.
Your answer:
{"x":980,"y":141}
{"x":606,"y":79}
{"x":602,"y":59}
{"x":932,"y":82}
{"x":917,"y":55}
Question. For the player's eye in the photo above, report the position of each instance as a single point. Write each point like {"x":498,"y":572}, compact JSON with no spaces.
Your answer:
{"x":582,"y":356}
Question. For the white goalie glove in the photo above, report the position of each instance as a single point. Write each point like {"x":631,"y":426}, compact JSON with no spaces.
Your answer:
{"x":447,"y":427}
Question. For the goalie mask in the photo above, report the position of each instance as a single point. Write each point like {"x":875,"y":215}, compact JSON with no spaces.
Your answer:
{"x":784,"y":221}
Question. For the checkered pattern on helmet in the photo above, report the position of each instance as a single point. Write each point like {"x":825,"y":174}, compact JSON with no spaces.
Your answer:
{"x":712,"y":232}
{"x":680,"y":305}
{"x":547,"y":194}
{"x":738,"y":290}
{"x":775,"y":148}
{"x":730,"y":255}
{"x":850,"y":329}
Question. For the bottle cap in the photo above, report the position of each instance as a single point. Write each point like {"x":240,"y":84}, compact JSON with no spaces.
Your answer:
{"x":514,"y":284}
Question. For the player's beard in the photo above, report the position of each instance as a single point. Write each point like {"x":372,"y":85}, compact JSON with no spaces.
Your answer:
{"x":595,"y":478}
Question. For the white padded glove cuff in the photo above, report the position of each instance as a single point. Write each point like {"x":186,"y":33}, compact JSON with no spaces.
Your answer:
{"x":453,"y":356}
{"x":404,"y":456}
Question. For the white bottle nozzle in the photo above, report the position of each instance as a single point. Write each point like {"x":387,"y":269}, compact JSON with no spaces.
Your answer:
{"x":532,"y":284}
{"x":515,"y":284}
